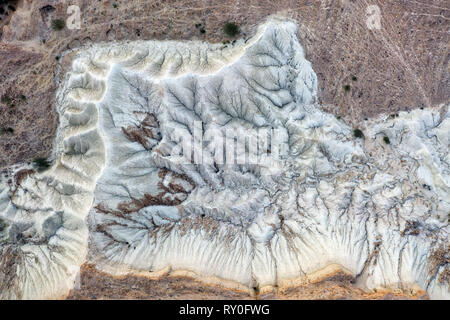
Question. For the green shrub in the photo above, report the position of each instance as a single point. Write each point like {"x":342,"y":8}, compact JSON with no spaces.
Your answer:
{"x":358,"y":133}
{"x":354,"y":78}
{"x":58,"y":24}
{"x":6,"y":100}
{"x":6,"y":130}
{"x":386,"y":140}
{"x":231,"y":29}
{"x":3,"y":225}
{"x":41,"y":164}
{"x":347,"y":87}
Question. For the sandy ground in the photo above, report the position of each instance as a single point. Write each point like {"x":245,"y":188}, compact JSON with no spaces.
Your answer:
{"x":94,"y":284}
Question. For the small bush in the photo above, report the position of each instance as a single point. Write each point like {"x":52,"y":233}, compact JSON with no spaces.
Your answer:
{"x":58,"y":24}
{"x":6,"y":130}
{"x":231,"y":29}
{"x":347,"y":87}
{"x":354,"y":78}
{"x":386,"y":140}
{"x":202,"y":30}
{"x":358,"y":133}
{"x":6,"y":100}
{"x":41,"y":164}
{"x":3,"y":225}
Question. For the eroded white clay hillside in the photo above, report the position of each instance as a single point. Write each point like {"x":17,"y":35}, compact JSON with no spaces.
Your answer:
{"x":378,"y":210}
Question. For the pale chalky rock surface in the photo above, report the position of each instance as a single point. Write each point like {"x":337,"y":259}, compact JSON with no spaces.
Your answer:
{"x":378,"y":210}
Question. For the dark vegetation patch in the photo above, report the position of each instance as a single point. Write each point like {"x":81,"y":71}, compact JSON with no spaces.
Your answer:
{"x":231,"y":29}
{"x":6,"y":130}
{"x":200,"y":28}
{"x":41,"y":164}
{"x":358,"y":133}
{"x":58,"y":24}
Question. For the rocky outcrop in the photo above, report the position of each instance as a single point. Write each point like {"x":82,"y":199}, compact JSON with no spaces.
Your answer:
{"x":142,"y":126}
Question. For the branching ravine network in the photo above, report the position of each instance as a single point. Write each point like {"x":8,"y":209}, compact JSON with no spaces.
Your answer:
{"x":142,"y":180}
